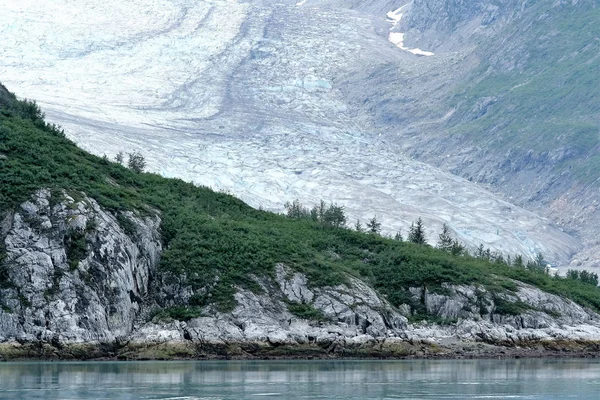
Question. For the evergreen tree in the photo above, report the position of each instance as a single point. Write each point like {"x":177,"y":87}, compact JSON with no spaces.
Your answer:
{"x":136,"y":162}
{"x":539,"y":260}
{"x":119,"y":157}
{"x":537,"y":264}
{"x":398,"y":236}
{"x":296,"y":210}
{"x":358,"y":226}
{"x":374,"y":226}
{"x":480,"y":252}
{"x":416,"y":233}
{"x":321,"y":209}
{"x":457,"y":248}
{"x":589,"y":277}
{"x":573,"y":274}
{"x":498,"y":257}
{"x":583,"y":276}
{"x":334,"y":216}
{"x":445,"y":239}
{"x":487,"y":254}
{"x":314,"y":214}
{"x":518,"y":262}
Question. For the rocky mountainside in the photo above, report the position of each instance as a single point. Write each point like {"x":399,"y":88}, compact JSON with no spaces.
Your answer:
{"x":323,"y":99}
{"x":513,"y":105}
{"x":100,"y":261}
{"x":102,"y":300}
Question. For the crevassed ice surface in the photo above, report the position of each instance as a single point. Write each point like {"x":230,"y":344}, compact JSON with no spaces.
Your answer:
{"x":247,"y":98}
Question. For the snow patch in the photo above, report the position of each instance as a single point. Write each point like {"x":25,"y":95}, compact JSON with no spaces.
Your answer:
{"x":419,"y":52}
{"x":397,"y":38}
{"x":396,"y":16}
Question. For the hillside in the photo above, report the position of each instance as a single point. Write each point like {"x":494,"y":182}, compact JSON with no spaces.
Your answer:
{"x":94,"y":254}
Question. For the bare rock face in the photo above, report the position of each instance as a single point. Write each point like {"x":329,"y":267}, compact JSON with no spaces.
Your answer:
{"x":352,"y":313}
{"x":74,"y":274}
{"x":478,"y":315}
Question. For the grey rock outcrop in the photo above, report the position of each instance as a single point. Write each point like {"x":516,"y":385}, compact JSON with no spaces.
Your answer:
{"x":74,"y":275}
{"x":478,"y":316}
{"x":352,"y":313}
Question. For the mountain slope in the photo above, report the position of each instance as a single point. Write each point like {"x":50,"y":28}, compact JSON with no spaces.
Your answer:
{"x":522,"y":113}
{"x":531,"y":101}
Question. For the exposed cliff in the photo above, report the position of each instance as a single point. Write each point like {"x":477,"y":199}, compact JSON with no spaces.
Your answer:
{"x":79,"y":282}
{"x":72,"y":274}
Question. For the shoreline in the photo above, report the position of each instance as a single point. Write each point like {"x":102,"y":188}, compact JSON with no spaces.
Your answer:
{"x":192,"y":351}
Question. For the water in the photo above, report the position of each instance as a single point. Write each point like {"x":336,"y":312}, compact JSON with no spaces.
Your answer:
{"x":426,"y":379}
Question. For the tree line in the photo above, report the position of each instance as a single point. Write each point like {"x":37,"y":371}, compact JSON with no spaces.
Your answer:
{"x":333,"y":215}
{"x":135,"y":161}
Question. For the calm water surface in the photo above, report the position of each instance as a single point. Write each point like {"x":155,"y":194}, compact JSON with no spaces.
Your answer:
{"x":472,"y":379}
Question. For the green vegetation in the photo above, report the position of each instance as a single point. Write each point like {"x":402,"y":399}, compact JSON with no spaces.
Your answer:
{"x":416,"y":234}
{"x":332,"y":215}
{"x":536,"y":94}
{"x":305,"y":311}
{"x":590,"y":278}
{"x":215,"y":242}
{"x":127,"y":225}
{"x":136,"y":162}
{"x":76,"y":248}
{"x":505,"y":307}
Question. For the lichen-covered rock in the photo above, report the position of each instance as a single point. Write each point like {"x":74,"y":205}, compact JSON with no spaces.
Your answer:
{"x":353,"y":313}
{"x":75,"y":275}
{"x":543,"y":316}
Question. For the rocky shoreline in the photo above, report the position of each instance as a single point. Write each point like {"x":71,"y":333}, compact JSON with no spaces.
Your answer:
{"x":266,"y":351}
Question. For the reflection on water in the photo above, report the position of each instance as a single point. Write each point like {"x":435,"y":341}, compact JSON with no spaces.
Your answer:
{"x":424,"y":379}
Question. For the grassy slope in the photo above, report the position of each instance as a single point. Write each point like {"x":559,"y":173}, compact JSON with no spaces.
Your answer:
{"x":209,"y":235}
{"x":545,"y":74}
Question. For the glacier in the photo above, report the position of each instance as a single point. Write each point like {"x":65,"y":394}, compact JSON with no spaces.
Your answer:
{"x":249,"y":98}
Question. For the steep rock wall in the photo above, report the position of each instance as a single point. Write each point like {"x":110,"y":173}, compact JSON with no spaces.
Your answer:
{"x":73,"y":274}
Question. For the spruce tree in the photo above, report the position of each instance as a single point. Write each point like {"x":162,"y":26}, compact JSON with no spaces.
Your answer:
{"x":296,"y":210}
{"x":539,"y":260}
{"x":334,"y":216}
{"x":136,"y":162}
{"x":518,"y":262}
{"x":445,"y":240}
{"x":374,"y":226}
{"x":358,"y":226}
{"x":480,"y":251}
{"x":457,"y":248}
{"x":416,"y":234}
